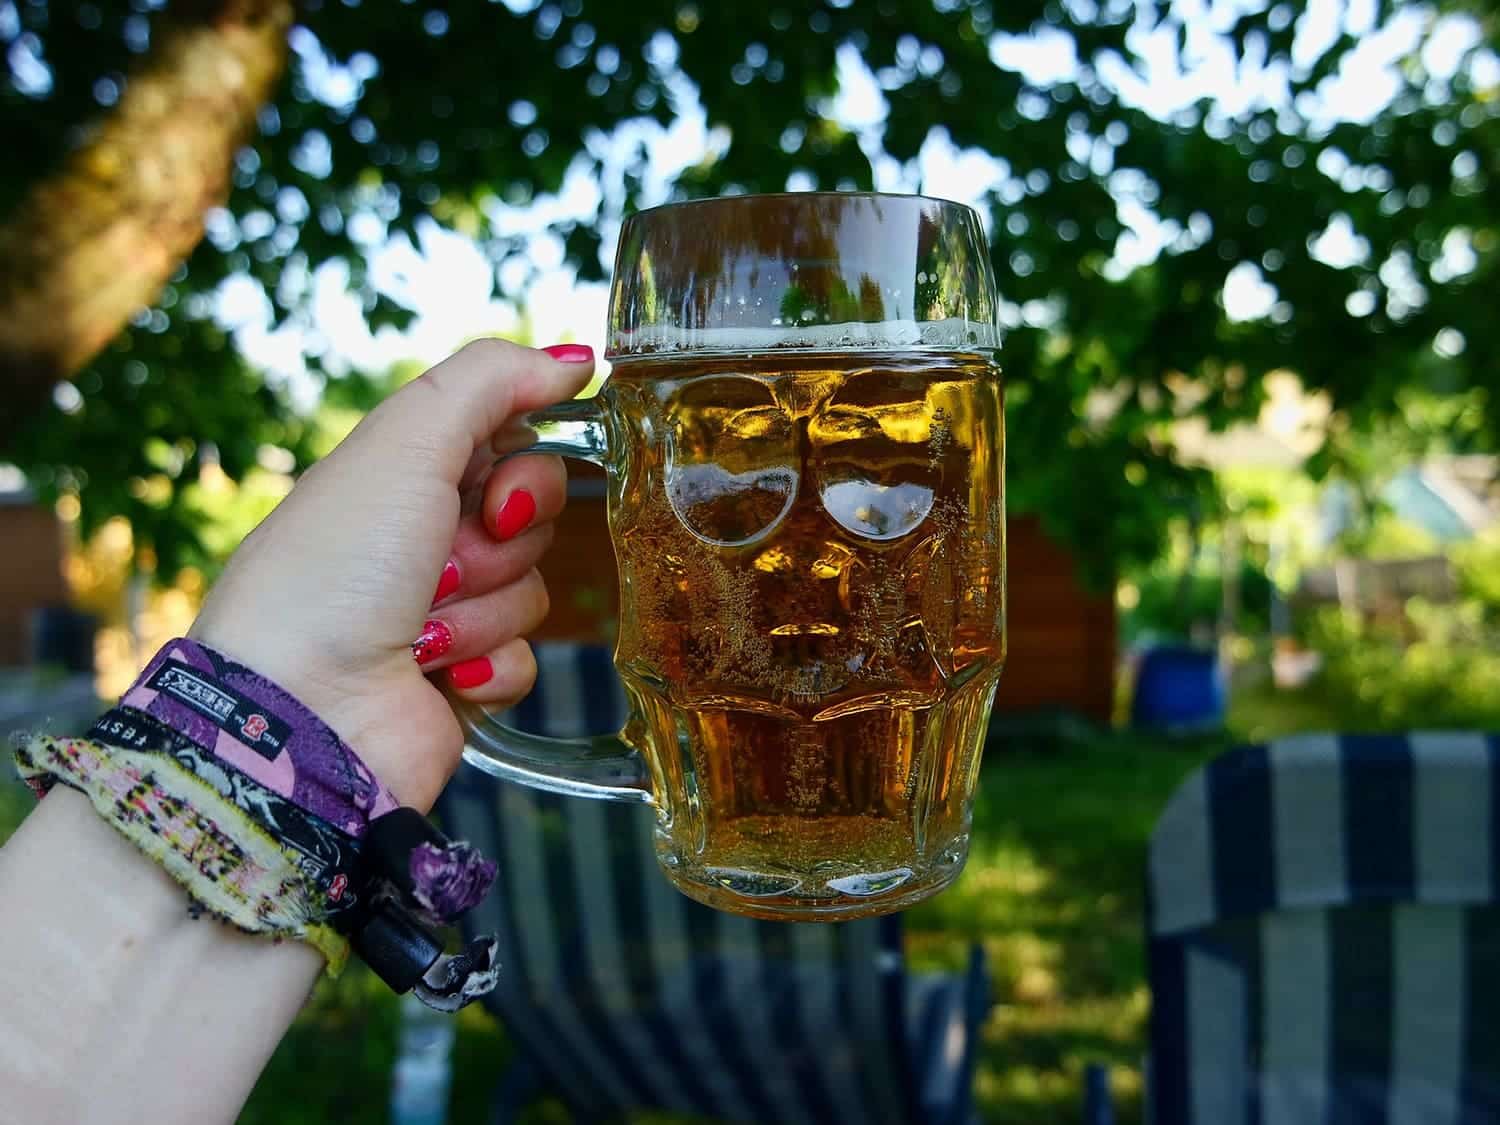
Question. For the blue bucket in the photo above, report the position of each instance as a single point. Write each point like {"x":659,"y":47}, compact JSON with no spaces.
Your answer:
{"x":1178,"y":687}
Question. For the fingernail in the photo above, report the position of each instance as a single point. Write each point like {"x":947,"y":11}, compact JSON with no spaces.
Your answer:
{"x":447,"y":583}
{"x":515,"y":515}
{"x":434,"y":640}
{"x":571,"y":353}
{"x":471,"y":673}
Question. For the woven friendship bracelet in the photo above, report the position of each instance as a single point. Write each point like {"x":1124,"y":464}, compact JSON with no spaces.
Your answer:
{"x":230,"y":865}
{"x":327,"y":857}
{"x":262,"y":813}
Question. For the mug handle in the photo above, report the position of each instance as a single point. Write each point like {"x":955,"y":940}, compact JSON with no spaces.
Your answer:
{"x":601,"y":766}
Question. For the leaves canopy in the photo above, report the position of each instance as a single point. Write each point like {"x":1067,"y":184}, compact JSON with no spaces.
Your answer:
{"x":393,"y":111}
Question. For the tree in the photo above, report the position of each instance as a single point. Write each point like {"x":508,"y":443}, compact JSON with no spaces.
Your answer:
{"x":386,"y":112}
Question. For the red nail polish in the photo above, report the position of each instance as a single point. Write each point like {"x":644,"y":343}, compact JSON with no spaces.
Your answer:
{"x":571,"y":353}
{"x":515,"y":515}
{"x":471,"y":673}
{"x":434,"y":640}
{"x":447,"y":583}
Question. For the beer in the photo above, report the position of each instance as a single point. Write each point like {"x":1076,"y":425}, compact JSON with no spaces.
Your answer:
{"x":811,"y":559}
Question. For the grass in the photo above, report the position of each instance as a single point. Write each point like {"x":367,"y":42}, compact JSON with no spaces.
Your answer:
{"x":1053,"y":891}
{"x":335,"y":1064}
{"x":15,"y":799}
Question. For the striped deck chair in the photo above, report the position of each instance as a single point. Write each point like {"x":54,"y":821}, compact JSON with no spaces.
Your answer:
{"x":1324,"y":939}
{"x":623,"y":994}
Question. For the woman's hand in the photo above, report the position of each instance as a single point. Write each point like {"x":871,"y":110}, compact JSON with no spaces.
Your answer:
{"x":373,"y":575}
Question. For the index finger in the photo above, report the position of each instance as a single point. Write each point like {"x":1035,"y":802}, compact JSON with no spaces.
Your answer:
{"x":443,"y":419}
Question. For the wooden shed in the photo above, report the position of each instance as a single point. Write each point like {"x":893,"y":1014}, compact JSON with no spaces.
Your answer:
{"x":1062,"y":636}
{"x":31,"y":571}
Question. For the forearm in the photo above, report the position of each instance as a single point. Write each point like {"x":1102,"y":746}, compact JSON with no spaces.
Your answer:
{"x":117,"y":1006}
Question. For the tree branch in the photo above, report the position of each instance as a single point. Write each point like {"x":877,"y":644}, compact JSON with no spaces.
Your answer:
{"x":92,"y":244}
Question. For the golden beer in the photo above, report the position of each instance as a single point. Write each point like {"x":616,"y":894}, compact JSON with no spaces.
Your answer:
{"x":811,"y":560}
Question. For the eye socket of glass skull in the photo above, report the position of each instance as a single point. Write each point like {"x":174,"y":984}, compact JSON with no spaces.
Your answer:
{"x":732,"y":464}
{"x":876,"y":451}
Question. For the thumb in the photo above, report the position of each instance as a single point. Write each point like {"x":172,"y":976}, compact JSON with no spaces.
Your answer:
{"x":436,"y":422}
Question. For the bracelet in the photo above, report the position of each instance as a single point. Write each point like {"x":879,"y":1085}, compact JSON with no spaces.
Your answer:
{"x":272,"y":823}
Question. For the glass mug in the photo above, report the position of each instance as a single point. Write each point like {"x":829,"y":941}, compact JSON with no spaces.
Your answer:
{"x":804,"y":443}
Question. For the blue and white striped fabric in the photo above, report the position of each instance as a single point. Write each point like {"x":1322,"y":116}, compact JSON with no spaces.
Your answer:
{"x":626,"y":994}
{"x":1324,"y":935}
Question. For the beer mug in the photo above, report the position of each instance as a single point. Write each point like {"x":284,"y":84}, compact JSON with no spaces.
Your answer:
{"x":804,"y":442}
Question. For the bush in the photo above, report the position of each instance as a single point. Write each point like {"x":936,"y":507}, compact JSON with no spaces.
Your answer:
{"x":1478,"y":566}
{"x":1436,"y":666}
{"x":1439,"y":667}
{"x":1162,"y":611}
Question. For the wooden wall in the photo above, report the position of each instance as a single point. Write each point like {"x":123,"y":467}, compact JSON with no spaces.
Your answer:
{"x":1062,"y":638}
{"x":31,"y":574}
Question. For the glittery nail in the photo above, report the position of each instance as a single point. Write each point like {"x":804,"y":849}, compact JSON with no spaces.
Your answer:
{"x":434,"y":640}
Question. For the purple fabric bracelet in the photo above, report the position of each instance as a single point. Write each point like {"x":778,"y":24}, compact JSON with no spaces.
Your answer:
{"x":250,"y":723}
{"x":306,"y":841}
{"x":265,"y":733}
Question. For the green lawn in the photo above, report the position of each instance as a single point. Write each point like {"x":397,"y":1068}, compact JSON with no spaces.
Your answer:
{"x":1053,"y":890}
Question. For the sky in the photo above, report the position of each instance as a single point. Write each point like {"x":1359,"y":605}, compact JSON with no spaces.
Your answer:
{"x":450,"y":283}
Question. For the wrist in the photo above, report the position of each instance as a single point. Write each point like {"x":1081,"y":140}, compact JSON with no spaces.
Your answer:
{"x":113,"y":991}
{"x":103,"y":867}
{"x":145,"y":906}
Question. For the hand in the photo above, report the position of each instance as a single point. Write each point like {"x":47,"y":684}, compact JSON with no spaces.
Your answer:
{"x":328,"y":595}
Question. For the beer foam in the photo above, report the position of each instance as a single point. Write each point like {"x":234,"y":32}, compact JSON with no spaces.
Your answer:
{"x":952,"y":333}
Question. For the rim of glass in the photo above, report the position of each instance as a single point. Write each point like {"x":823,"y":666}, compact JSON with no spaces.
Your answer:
{"x":987,"y":349}
{"x":987,"y":352}
{"x":708,"y":199}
